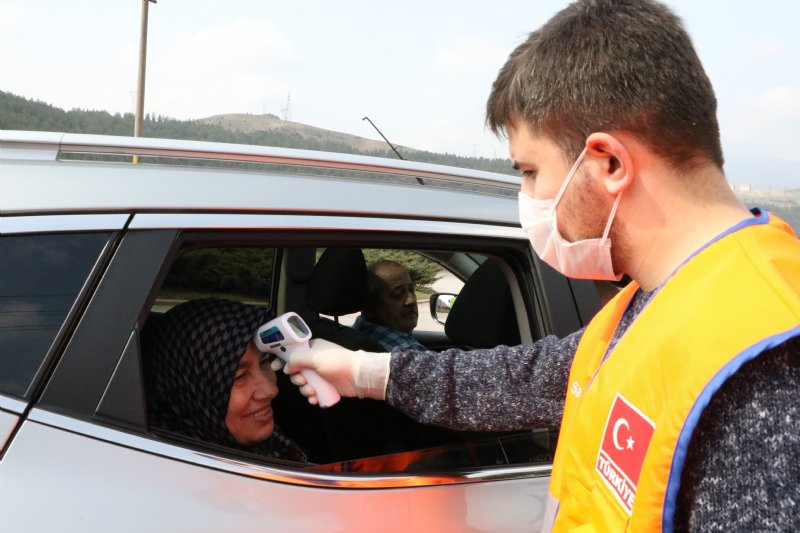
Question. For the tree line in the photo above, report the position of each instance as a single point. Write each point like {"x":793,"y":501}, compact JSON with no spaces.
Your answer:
{"x":19,"y":113}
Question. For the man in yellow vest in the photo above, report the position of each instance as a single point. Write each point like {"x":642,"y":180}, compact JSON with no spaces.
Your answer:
{"x":679,"y":399}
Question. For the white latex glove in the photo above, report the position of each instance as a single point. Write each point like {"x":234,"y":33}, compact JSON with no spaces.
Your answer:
{"x":356,"y":374}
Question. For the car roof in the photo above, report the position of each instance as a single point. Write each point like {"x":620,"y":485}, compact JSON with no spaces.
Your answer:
{"x":46,"y":172}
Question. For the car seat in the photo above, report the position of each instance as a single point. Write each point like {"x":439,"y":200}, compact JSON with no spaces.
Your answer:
{"x":483,"y":315}
{"x":352,"y":428}
{"x":338,"y":287}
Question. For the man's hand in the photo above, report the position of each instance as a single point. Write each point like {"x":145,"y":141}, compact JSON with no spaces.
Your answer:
{"x":355,"y":374}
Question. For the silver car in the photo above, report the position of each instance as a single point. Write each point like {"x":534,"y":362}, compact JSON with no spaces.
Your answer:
{"x":94,"y":249}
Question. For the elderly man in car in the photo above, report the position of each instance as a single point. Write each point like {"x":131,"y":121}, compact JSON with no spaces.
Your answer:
{"x":391,"y":313}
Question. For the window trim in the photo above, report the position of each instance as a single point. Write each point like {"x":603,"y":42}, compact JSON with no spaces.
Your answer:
{"x":12,"y":405}
{"x":228,"y":221}
{"x":60,"y":223}
{"x":277,"y":474}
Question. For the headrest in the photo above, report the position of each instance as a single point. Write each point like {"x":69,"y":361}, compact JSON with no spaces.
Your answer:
{"x":483,"y":314}
{"x":338,"y":284}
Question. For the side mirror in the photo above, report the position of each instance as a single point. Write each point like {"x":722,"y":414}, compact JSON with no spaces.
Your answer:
{"x":441,"y":303}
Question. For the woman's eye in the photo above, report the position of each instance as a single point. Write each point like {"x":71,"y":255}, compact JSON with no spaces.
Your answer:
{"x":239,"y":376}
{"x":529,"y":174}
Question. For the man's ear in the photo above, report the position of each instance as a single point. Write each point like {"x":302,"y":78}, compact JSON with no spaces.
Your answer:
{"x":613,"y":161}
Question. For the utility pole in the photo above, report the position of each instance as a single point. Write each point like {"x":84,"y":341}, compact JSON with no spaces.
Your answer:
{"x":287,"y":111}
{"x":139,"y":116}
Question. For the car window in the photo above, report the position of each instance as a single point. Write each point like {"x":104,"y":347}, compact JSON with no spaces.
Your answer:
{"x":431,"y":272}
{"x":40,"y":279}
{"x":242,"y":274}
{"x":359,"y":436}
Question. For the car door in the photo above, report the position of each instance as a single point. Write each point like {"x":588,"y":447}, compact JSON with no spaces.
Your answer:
{"x":86,"y":454}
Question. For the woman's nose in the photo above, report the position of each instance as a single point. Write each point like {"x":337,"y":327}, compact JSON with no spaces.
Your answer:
{"x":266,"y":388}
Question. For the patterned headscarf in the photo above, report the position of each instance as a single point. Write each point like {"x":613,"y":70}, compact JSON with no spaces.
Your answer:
{"x":192,"y":354}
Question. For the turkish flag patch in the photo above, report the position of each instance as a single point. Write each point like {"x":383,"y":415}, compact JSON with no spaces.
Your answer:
{"x":625,"y":440}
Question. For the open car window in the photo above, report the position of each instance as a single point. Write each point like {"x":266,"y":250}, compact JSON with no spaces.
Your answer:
{"x":431,"y":272}
{"x":366,"y":435}
{"x":242,"y":274}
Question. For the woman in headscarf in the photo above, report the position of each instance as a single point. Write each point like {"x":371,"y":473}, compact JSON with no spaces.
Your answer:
{"x":206,"y":379}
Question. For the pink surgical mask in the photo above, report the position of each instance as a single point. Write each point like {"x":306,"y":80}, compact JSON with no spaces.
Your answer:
{"x":584,"y":259}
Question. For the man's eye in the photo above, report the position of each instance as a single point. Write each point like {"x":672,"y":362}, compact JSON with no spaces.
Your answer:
{"x":239,"y":376}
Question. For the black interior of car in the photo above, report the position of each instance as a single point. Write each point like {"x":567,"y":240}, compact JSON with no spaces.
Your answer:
{"x":483,"y":316}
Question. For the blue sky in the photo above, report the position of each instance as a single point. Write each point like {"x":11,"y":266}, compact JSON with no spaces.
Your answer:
{"x":420,"y":70}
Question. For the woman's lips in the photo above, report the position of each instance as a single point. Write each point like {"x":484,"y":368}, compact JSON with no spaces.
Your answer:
{"x":263,"y":414}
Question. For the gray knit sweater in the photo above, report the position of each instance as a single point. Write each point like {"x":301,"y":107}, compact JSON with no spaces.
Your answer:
{"x":742,"y":471}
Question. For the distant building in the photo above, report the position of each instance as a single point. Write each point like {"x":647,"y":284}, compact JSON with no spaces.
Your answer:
{"x":745,"y":187}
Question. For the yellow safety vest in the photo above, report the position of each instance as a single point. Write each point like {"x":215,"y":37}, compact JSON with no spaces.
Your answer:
{"x":629,"y":416}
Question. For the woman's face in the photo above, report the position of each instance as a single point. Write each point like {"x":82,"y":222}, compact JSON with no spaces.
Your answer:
{"x":249,"y":417}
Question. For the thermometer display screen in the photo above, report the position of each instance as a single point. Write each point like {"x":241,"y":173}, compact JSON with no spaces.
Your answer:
{"x":273,"y":334}
{"x":298,"y":326}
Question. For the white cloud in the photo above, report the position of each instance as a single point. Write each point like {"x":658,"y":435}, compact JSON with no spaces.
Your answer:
{"x":10,"y":17}
{"x":243,"y":44}
{"x":766,"y":50}
{"x":235,"y":68}
{"x":470,"y":57}
{"x":768,"y":124}
{"x":442,"y":134}
{"x":781,"y":102}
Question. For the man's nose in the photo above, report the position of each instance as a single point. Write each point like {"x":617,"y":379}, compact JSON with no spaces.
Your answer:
{"x":411,"y":298}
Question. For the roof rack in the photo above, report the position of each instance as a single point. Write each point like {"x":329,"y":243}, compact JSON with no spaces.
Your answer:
{"x":35,"y":145}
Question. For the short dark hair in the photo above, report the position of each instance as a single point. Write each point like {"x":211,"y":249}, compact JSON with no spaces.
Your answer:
{"x":375,"y":283}
{"x":611,"y":65}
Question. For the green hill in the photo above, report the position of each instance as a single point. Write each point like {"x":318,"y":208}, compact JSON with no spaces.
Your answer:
{"x":19,"y":113}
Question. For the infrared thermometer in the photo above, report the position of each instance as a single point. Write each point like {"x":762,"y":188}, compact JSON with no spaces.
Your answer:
{"x":285,"y":333}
